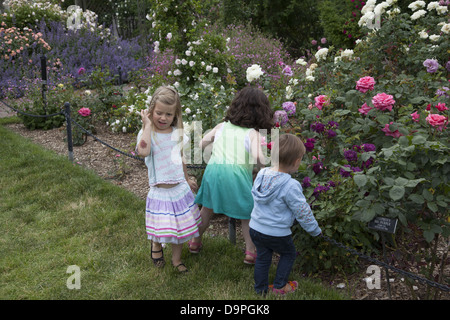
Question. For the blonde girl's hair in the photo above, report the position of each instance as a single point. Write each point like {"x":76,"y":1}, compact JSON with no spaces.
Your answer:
{"x":169,"y":96}
{"x":287,"y":149}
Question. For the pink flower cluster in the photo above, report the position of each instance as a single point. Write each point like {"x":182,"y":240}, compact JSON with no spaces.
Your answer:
{"x":365,"y":84}
{"x":436,"y":120}
{"x":387,"y":130}
{"x":84,"y":112}
{"x":321,"y":101}
{"x":383,"y":101}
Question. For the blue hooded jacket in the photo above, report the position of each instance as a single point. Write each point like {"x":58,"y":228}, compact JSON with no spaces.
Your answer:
{"x":278,"y":200}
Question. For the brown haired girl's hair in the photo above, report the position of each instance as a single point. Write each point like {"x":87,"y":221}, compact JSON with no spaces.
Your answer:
{"x":250,"y":108}
{"x":288,"y":148}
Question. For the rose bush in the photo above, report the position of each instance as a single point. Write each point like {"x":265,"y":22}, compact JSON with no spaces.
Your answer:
{"x":390,"y":95}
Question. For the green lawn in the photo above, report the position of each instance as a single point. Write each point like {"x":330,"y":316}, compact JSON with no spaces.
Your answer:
{"x":54,"y":214}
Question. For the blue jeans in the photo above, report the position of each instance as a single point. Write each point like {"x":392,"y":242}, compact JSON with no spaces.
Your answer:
{"x":265,"y":246}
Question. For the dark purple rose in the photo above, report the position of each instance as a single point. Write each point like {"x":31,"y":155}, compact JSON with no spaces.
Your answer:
{"x":350,"y":155}
{"x":331,"y":133}
{"x":309,"y":146}
{"x":332,"y":124}
{"x":369,"y":147}
{"x":320,"y":189}
{"x":306,"y":182}
{"x":317,"y":167}
{"x":318,"y":127}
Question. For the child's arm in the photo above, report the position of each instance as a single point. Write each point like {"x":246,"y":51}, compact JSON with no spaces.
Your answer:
{"x":296,"y":201}
{"x":209,"y":137}
{"x":191,"y":182}
{"x":256,"y":149}
{"x":143,"y":146}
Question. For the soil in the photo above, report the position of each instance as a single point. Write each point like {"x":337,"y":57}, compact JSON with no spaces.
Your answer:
{"x":131,"y":174}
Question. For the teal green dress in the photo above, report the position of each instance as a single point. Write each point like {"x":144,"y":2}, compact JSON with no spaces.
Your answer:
{"x":227,"y":182}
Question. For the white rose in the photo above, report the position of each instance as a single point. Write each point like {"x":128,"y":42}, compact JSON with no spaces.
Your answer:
{"x":433,"y":5}
{"x":434,"y":37}
{"x":418,"y":14}
{"x":423,"y":34}
{"x":321,"y":54}
{"x":254,"y":72}
{"x":417,"y":5}
{"x":441,"y":9}
{"x":446,"y":28}
{"x":215,"y":70}
{"x":301,"y":62}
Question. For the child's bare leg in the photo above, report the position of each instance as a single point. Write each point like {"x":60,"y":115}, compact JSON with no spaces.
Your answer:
{"x":249,"y":245}
{"x":176,"y":257}
{"x":206,"y":214}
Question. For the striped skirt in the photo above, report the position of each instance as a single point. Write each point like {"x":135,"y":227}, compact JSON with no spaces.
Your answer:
{"x":171,"y":215}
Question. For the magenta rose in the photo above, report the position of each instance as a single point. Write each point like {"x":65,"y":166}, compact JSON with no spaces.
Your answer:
{"x":387,"y":131}
{"x":441,"y":107}
{"x":365,"y":84}
{"x":415,"y":116}
{"x":364,"y":109}
{"x":437,"y":121}
{"x":84,"y":112}
{"x":383,"y":101}
{"x":321,"y":101}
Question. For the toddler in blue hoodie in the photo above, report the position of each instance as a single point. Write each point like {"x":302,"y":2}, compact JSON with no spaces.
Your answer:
{"x":278,"y":200}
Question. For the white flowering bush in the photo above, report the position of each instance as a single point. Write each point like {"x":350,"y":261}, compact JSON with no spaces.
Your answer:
{"x":23,"y":14}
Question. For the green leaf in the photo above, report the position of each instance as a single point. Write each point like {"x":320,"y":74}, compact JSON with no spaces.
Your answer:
{"x":427,"y":195}
{"x":432,"y":206}
{"x":364,"y":215}
{"x":401,"y":181}
{"x":428,"y":235}
{"x":413,"y":183}
{"x":416,"y":198}
{"x":360,"y":180}
{"x":397,"y":192}
{"x":419,"y":140}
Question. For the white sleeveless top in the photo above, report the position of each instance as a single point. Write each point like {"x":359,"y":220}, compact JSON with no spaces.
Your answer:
{"x":164,"y":162}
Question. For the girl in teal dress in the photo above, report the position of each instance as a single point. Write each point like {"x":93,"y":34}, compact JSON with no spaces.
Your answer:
{"x":236,"y":151}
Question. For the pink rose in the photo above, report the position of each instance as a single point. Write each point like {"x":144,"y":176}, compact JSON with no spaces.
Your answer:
{"x":438,"y":121}
{"x":383,"y":101}
{"x":441,"y":107}
{"x":364,"y":109}
{"x":84,"y":112}
{"x":321,"y":101}
{"x":364,"y":84}
{"x":388,"y":131}
{"x":415,"y":116}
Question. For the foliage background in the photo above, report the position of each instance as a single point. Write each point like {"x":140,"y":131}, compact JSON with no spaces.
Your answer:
{"x":204,"y":48}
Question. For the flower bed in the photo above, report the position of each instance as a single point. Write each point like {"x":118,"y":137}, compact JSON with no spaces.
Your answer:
{"x":374,"y":119}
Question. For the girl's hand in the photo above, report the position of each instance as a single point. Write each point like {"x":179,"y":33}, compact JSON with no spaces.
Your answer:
{"x":192,"y":184}
{"x":146,"y":118}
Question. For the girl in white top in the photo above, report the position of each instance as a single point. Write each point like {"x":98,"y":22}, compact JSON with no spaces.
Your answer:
{"x":171,"y":214}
